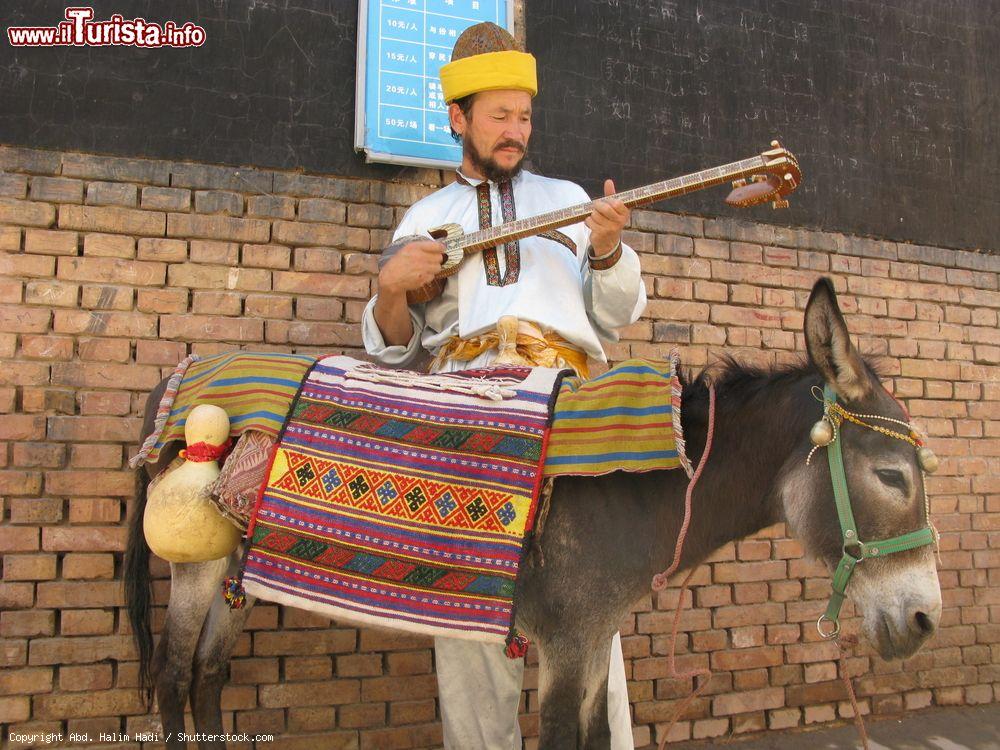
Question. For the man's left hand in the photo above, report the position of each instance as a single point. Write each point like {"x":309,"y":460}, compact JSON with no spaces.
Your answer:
{"x":607,"y":221}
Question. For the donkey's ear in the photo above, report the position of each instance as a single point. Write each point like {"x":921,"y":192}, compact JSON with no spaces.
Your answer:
{"x":829,"y":345}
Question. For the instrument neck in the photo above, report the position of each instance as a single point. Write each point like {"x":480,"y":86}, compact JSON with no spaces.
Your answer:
{"x":515,"y":230}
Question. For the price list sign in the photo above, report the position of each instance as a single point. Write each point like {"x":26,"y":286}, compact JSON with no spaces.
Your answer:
{"x":401,"y":115}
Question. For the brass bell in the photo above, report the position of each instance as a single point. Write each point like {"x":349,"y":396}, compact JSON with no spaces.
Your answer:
{"x":821,"y":433}
{"x":927,"y":459}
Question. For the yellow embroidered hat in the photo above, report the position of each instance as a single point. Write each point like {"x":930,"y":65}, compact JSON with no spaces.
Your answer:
{"x":486,"y":58}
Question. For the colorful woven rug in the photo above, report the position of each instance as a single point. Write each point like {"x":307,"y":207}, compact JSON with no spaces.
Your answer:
{"x":403,"y":500}
{"x":235,"y":492}
{"x":627,"y":419}
{"x":255,"y":388}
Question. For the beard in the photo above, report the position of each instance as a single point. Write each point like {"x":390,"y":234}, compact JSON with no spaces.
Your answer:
{"x":488,"y":166}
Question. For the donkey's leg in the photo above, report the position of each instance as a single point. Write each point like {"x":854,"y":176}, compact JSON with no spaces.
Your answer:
{"x":562,"y":683}
{"x":211,"y":661}
{"x":192,"y":588}
{"x":605,"y":714}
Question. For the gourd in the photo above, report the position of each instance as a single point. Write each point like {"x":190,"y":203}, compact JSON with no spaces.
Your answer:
{"x":180,"y":522}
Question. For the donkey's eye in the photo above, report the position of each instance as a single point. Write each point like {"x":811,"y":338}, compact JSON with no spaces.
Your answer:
{"x":892,"y":478}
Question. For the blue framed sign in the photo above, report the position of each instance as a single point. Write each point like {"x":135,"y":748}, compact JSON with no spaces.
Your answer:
{"x":401,"y":116}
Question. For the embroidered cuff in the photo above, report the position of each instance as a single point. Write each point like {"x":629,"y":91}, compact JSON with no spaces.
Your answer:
{"x":603,"y":262}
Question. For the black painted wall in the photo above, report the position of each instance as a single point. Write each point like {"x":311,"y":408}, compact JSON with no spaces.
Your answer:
{"x":891,"y":107}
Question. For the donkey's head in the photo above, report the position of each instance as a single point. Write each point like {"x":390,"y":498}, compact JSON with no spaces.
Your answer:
{"x":897,"y":592}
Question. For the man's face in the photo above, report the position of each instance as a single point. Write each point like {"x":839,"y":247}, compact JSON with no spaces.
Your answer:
{"x":496,"y":131}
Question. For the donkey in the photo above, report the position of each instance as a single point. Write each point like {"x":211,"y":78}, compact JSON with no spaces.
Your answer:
{"x":605,"y":537}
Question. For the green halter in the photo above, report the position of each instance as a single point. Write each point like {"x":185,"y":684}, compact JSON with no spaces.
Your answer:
{"x":854,"y":550}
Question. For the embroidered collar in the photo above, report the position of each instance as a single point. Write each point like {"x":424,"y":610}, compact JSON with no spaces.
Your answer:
{"x":463,"y":179}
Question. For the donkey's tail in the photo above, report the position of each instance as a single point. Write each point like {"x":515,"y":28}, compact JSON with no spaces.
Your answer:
{"x":138,"y":590}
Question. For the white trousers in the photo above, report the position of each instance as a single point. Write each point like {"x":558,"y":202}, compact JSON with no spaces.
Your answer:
{"x":480,"y":689}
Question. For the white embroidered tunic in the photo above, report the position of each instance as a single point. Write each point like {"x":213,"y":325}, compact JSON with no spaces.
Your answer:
{"x":541,"y":280}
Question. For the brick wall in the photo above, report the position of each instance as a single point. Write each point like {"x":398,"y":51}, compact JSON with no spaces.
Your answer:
{"x":112,"y":270}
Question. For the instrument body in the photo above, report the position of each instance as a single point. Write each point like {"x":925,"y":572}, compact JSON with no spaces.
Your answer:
{"x":767,"y":177}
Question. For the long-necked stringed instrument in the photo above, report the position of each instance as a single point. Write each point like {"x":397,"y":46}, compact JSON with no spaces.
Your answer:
{"x":769,"y":176}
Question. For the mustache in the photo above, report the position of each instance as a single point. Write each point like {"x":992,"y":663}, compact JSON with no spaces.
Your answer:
{"x":510,"y":144}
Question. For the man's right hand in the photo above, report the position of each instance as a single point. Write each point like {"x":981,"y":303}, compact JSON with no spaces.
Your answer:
{"x":413,"y":266}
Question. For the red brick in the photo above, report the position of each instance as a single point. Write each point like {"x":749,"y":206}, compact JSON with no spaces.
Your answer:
{"x":115,"y":702}
{"x":86,"y":622}
{"x":10,"y":239}
{"x":49,"y":242}
{"x":22,"y":427}
{"x":199,"y":276}
{"x":29,"y":567}
{"x":94,"y":510}
{"x":362,"y":263}
{"x":267,"y":256}
{"x":219,"y":253}
{"x":304,"y":642}
{"x":106,"y":297}
{"x":88,"y":456}
{"x":104,"y":323}
{"x":210,"y":328}
{"x":16,"y":595}
{"x":15,"y":708}
{"x":161,"y":249}
{"x":51,"y":293}
{"x":396,"y":688}
{"x":295,"y":233}
{"x":20,"y":483}
{"x":85,"y":677}
{"x":411,"y":712}
{"x":327,"y":285}
{"x":271,"y":206}
{"x":30,"y":623}
{"x":323,"y":693}
{"x":80,"y":594}
{"x":368,"y":215}
{"x":105,"y":402}
{"x":72,"y":539}
{"x":360,"y":665}
{"x":19,"y":319}
{"x":104,"y":375}
{"x":271,"y":306}
{"x":159,"y":352}
{"x":108,"y":245}
{"x":166,"y":199}
{"x":112,"y":219}
{"x":409,"y":662}
{"x":754,"y":700}
{"x":218,"y":228}
{"x":254,"y":671}
{"x":112,"y":270}
{"x":162,"y":300}
{"x":88,"y":566}
{"x":748,"y":658}
{"x":26,"y":213}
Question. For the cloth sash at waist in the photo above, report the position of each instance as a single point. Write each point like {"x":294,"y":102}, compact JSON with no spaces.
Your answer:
{"x":519,"y":342}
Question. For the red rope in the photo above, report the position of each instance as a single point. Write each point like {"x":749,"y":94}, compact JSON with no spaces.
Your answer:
{"x":202,"y":452}
{"x":660,"y":580}
{"x":842,"y":663}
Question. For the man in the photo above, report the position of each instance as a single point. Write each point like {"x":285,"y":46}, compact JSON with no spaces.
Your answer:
{"x":567,"y":291}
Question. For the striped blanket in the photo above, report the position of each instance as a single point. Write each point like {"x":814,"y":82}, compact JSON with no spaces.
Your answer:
{"x":403,"y":500}
{"x":255,"y":389}
{"x":627,"y":419}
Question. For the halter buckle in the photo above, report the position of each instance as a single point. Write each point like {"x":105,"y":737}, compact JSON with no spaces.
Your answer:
{"x":827,"y":634}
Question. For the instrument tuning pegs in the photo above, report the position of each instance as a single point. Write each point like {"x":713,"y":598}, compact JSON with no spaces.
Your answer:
{"x":739,"y":183}
{"x":775,"y":144}
{"x":779,"y":204}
